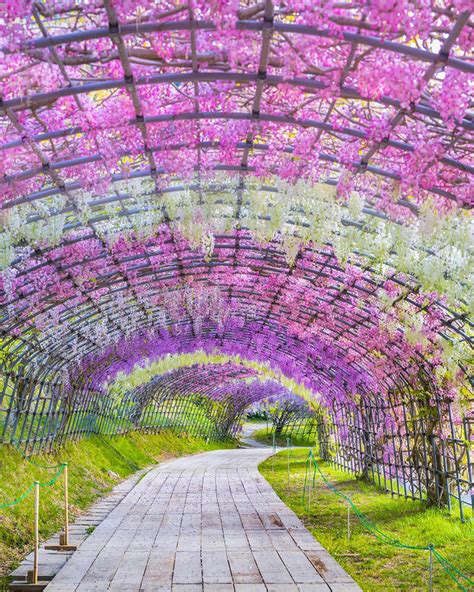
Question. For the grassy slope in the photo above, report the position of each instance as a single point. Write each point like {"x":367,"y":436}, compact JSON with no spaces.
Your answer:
{"x":96,"y":464}
{"x":267,"y":438}
{"x":373,"y":564}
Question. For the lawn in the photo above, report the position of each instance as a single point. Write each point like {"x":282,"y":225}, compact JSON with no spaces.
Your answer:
{"x":96,"y":464}
{"x":266,"y":437}
{"x":373,"y":564}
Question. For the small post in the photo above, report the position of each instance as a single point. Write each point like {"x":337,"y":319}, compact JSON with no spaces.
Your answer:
{"x":32,"y":575}
{"x":274,"y":451}
{"x":348,"y":523}
{"x":304,"y":484}
{"x":431,"y":568}
{"x":288,"y":449}
{"x":65,"y":540}
{"x":35,"y":560}
{"x":309,"y":494}
{"x":64,"y":536}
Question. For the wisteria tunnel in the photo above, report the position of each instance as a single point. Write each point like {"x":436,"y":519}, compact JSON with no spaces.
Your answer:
{"x":211,"y":203}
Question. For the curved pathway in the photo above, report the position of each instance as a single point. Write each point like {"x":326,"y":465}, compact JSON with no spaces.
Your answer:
{"x":207,"y":523}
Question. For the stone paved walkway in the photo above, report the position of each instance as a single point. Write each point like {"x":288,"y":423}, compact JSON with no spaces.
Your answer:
{"x":207,"y":523}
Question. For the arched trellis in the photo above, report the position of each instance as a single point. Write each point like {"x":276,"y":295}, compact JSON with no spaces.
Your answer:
{"x":267,"y":320}
{"x":197,"y":268}
{"x":203,"y":400}
{"x":273,"y":23}
{"x":67,"y":299}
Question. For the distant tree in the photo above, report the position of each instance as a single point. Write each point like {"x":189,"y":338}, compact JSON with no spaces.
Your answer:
{"x":286,"y":410}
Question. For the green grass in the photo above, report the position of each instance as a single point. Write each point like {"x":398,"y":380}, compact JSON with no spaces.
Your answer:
{"x":96,"y":464}
{"x":266,"y":437}
{"x":374,"y":565}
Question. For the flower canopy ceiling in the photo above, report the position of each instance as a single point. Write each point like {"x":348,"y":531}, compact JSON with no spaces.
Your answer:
{"x":288,"y":181}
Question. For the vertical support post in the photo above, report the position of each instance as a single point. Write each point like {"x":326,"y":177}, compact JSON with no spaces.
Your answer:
{"x":32,"y":575}
{"x":288,"y":454}
{"x":309,"y":493}
{"x":274,"y":451}
{"x":431,"y":569}
{"x":66,"y":507}
{"x":36,"y":552}
{"x":348,"y":523}
{"x":64,"y":536}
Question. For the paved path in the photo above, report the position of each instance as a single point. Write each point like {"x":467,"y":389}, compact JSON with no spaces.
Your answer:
{"x":207,"y":523}
{"x":247,"y":431}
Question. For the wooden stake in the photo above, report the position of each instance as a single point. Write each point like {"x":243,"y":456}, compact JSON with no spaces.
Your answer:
{"x":274,"y":451}
{"x":431,"y":569}
{"x":32,"y":575}
{"x":35,"y":560}
{"x":288,"y":449}
{"x":64,"y":536}
{"x":348,"y":524}
{"x":66,"y":508}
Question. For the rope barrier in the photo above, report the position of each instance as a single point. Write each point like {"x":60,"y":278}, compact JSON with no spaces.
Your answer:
{"x":18,"y":499}
{"x":452,"y":571}
{"x":449,"y":568}
{"x":32,"y":462}
{"x":32,"y":575}
{"x":31,"y":487}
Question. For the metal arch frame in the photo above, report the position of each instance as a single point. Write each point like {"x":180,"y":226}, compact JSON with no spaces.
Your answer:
{"x":111,"y":361}
{"x":407,"y":382}
{"x":87,"y":399}
{"x":363,"y":166}
{"x":275,"y":328}
{"x":171,"y":264}
{"x":233,"y":115}
{"x":128,"y":212}
{"x":139,"y":28}
{"x":347,"y":92}
{"x":115,"y":32}
{"x":243,"y":334}
{"x":93,"y":317}
{"x":209,"y":381}
{"x":231,"y":337}
{"x":30,"y":173}
{"x":146,"y":254}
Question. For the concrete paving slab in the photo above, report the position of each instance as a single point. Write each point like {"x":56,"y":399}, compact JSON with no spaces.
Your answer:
{"x":207,"y":523}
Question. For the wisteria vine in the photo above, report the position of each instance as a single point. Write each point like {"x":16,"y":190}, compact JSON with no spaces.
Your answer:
{"x":288,"y":182}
